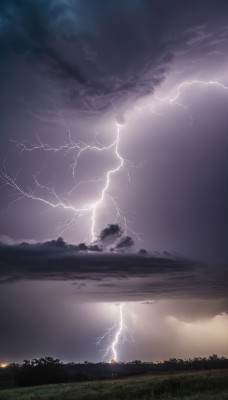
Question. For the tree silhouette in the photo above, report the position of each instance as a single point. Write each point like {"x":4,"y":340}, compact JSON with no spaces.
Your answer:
{"x":41,"y":371}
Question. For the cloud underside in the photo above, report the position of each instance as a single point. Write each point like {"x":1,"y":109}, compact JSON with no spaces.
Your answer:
{"x":113,"y":276}
{"x":103,"y":56}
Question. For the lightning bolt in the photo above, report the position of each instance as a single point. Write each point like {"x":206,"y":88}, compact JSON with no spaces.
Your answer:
{"x":108,"y":175}
{"x":174,"y":98}
{"x":48,"y":195}
{"x":118,"y":332}
{"x":177,"y":93}
{"x":54,"y":200}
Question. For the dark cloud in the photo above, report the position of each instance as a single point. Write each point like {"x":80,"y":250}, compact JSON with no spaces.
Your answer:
{"x":110,"y":234}
{"x":79,"y":285}
{"x":94,"y":247}
{"x":143,"y":252}
{"x":128,"y":275}
{"x":92,"y":60}
{"x":60,"y":243}
{"x":41,"y":261}
{"x":103,"y":55}
{"x":125,"y":243}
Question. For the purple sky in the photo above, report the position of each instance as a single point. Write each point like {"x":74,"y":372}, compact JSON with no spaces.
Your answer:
{"x":113,"y":112}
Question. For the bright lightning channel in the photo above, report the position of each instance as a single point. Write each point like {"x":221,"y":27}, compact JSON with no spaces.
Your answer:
{"x":54,"y":200}
{"x":58,"y":201}
{"x":118,"y":332}
{"x":174,"y":99}
{"x":184,"y":84}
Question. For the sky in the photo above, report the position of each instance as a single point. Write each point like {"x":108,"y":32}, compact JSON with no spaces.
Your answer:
{"x":113,"y":135}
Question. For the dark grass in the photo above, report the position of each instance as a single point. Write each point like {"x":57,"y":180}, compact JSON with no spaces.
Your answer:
{"x":211,"y":385}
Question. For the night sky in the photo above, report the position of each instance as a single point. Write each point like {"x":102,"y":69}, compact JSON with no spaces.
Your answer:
{"x":113,"y":114}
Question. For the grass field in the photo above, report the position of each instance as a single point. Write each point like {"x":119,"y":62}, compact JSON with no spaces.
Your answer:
{"x":211,"y":385}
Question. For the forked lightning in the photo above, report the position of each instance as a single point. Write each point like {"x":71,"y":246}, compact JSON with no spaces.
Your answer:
{"x":54,"y":200}
{"x":58,"y":201}
{"x":114,"y":335}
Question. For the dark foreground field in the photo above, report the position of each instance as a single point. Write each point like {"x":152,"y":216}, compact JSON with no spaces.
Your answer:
{"x":202,"y":385}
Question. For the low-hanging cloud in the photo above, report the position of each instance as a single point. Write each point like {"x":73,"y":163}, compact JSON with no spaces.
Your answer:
{"x":113,"y":275}
{"x":126,"y":242}
{"x":110,"y":233}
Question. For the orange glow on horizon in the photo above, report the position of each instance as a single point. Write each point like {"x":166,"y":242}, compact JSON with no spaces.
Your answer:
{"x":3,"y":365}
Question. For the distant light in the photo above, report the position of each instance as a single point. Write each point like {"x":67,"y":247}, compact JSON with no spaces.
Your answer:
{"x":3,"y":365}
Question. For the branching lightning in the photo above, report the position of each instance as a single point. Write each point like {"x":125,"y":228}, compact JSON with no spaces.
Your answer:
{"x":54,"y":200}
{"x":174,"y":99}
{"x":118,"y":332}
{"x":114,"y":335}
{"x":48,"y":195}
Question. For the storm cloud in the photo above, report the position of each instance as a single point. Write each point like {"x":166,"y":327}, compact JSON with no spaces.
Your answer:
{"x":105,"y":55}
{"x":113,"y":276}
{"x":90,"y":74}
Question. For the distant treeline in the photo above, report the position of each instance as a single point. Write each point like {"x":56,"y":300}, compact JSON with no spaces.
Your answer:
{"x":48,"y":370}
